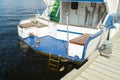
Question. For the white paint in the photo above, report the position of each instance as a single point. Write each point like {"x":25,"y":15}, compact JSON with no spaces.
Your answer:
{"x":75,"y":50}
{"x":114,"y":31}
{"x":73,"y":16}
{"x":92,"y":45}
{"x":43,"y":31}
{"x":63,"y":35}
{"x":77,"y":29}
{"x":53,"y":30}
{"x":40,"y":32}
{"x":112,"y":5}
{"x":117,"y":25}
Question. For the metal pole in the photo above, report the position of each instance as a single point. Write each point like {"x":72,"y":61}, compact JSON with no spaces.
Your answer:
{"x":113,"y":11}
{"x":67,"y":32}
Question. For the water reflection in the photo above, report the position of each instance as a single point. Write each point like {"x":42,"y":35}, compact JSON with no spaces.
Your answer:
{"x":21,"y":63}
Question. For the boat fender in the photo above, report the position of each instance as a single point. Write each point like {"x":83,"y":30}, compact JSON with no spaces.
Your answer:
{"x":106,"y":48}
{"x":62,"y":69}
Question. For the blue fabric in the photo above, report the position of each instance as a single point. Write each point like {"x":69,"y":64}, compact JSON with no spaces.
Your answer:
{"x":113,"y":18}
{"x":82,"y":0}
{"x":50,"y":45}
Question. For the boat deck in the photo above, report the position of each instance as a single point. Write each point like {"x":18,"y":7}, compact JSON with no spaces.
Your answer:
{"x":99,"y":67}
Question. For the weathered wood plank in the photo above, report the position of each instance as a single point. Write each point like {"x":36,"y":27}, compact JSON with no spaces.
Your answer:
{"x":109,"y":64}
{"x":105,"y":72}
{"x":116,"y":51}
{"x":115,"y":55}
{"x":90,"y":76}
{"x":80,"y":78}
{"x":104,"y":59}
{"x":116,"y":47}
{"x":117,"y":40}
{"x":97,"y":74}
{"x":108,"y":68}
{"x":115,"y":58}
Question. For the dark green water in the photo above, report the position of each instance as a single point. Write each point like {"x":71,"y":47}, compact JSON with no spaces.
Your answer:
{"x":16,"y":63}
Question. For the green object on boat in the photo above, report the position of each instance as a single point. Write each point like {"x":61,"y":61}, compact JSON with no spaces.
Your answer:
{"x":55,"y":13}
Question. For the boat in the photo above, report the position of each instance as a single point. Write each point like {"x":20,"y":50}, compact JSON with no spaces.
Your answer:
{"x":73,"y":29}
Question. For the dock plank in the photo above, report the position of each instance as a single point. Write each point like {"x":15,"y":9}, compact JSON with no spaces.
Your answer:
{"x":107,"y":60}
{"x":114,"y":58}
{"x":89,"y":76}
{"x":98,"y":74}
{"x":116,"y":51}
{"x":117,"y":40}
{"x":108,"y":68}
{"x":109,"y":64}
{"x":105,"y":72}
{"x":80,"y":78}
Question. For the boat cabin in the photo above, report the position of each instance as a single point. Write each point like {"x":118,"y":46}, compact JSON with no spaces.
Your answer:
{"x":83,"y":14}
{"x":86,"y":13}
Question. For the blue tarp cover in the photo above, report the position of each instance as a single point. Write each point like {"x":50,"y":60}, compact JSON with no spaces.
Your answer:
{"x":82,"y":0}
{"x":49,"y":44}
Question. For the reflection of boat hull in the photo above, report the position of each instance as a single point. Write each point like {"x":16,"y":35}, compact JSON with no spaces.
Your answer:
{"x":72,"y":41}
{"x":23,"y":46}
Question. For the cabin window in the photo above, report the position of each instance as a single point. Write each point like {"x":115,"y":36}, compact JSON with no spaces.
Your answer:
{"x":93,"y":4}
{"x":74,"y":5}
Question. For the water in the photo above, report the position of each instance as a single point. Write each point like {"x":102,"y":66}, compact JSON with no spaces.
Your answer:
{"x":15,"y":63}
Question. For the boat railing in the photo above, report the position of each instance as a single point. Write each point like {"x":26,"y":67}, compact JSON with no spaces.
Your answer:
{"x":111,"y":19}
{"x":92,"y":44}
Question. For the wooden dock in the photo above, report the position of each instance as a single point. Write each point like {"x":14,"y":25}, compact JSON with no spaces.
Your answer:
{"x":99,"y":67}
